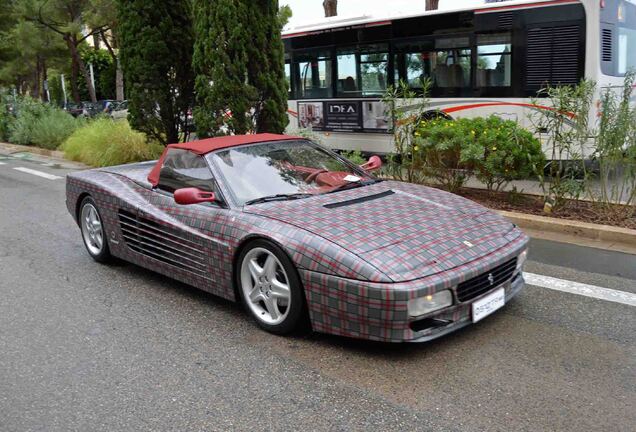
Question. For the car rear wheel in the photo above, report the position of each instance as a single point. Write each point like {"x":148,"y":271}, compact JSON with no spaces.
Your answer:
{"x":270,"y":288}
{"x":93,"y":232}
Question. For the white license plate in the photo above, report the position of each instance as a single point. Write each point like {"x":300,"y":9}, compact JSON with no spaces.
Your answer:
{"x":487,"y":305}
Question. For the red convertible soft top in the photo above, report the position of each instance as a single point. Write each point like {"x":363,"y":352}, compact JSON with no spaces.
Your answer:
{"x":209,"y":145}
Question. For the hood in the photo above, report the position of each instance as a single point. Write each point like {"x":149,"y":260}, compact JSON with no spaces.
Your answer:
{"x":406,"y":231}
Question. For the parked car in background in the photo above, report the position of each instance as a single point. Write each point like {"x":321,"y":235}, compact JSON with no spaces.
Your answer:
{"x":74,"y":109}
{"x":119,"y":110}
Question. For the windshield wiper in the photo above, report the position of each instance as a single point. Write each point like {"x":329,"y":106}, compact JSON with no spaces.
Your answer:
{"x":355,"y":184}
{"x":278,"y":197}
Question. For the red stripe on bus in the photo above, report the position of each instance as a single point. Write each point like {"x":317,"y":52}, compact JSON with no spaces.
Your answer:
{"x":527,"y":5}
{"x":489,"y":104}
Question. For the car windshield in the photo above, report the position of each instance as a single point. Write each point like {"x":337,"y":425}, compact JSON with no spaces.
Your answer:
{"x":285,"y":169}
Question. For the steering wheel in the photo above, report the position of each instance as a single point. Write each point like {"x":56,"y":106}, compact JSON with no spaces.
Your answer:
{"x":311,"y":177}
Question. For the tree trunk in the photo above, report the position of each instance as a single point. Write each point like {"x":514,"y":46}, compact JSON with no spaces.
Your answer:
{"x":71,"y":42}
{"x":119,"y":73}
{"x":96,"y":41}
{"x":74,"y":77}
{"x":35,"y":83}
{"x":432,"y":4}
{"x":331,"y":7}
{"x":44,"y":79}
{"x":119,"y":82}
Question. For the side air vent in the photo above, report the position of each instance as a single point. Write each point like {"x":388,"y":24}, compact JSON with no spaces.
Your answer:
{"x":552,"y":56}
{"x":504,"y":20}
{"x":156,"y":241}
{"x":606,"y":45}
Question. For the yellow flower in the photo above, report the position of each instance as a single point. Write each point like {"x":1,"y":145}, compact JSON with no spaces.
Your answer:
{"x":416,"y":148}
{"x":417,"y":134}
{"x":472,"y":132}
{"x":494,"y":148}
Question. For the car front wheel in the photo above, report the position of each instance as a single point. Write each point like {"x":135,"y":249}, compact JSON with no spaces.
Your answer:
{"x":270,"y":288}
{"x":93,"y":231}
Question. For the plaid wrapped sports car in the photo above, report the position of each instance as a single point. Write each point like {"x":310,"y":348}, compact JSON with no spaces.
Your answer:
{"x":301,"y":236}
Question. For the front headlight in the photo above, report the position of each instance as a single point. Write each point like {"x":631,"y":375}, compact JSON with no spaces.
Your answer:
{"x":521,"y":260}
{"x":423,"y":305}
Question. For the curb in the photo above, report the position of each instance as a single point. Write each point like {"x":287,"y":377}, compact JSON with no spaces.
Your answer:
{"x":624,"y":238}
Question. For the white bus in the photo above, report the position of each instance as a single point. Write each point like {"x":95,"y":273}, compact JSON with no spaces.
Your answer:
{"x":489,"y":59}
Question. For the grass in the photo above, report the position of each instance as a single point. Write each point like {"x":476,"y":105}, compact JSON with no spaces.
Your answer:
{"x":106,"y":142}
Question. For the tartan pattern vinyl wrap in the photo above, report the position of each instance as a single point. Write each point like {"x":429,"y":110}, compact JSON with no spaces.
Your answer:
{"x":361,"y":254}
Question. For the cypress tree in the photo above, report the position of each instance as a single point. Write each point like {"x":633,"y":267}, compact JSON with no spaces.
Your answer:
{"x":239,"y":65}
{"x":267,"y":63}
{"x":156,"y":57}
{"x":220,"y":62}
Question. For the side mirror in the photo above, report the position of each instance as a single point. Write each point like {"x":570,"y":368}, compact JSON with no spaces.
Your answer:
{"x":374,"y":163}
{"x":193,"y":195}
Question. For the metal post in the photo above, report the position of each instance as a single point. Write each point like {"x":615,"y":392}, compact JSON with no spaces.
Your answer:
{"x":64,"y":89}
{"x":90,"y":65}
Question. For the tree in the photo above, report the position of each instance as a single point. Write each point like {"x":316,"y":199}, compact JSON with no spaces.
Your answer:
{"x":156,"y":57}
{"x":105,"y":11}
{"x":239,"y":63}
{"x":66,"y":18}
{"x":331,"y":7}
{"x":266,"y":72}
{"x":432,"y":4}
{"x":26,"y":51}
{"x":220,"y":62}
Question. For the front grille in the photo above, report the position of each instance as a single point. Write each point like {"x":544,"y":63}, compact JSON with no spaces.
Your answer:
{"x":480,"y":284}
{"x":152,"y":239}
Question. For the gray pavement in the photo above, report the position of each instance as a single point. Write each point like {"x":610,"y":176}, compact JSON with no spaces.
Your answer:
{"x":88,"y":347}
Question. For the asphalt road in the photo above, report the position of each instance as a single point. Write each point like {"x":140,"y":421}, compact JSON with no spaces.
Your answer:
{"x":88,"y":347}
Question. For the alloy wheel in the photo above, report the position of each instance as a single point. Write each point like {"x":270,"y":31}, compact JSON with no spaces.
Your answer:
{"x":265,"y":286}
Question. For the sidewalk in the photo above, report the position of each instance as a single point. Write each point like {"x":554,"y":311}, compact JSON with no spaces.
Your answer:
{"x":39,"y":155}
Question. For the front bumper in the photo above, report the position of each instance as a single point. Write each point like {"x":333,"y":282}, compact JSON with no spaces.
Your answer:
{"x":512,"y":289}
{"x":379,"y":311}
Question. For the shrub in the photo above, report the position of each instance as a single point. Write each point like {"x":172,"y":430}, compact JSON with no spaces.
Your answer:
{"x":437,"y":147}
{"x":404,"y":106}
{"x":354,"y":156}
{"x":500,"y":151}
{"x":497,"y":151}
{"x":6,"y":117}
{"x":106,"y":142}
{"x":52,"y":128}
{"x":27,"y":111}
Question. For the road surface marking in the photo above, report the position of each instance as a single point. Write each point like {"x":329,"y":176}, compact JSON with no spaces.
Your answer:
{"x":37,"y":173}
{"x":580,"y":289}
{"x":2,"y":163}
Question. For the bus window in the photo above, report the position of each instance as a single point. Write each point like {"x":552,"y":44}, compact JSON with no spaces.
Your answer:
{"x":447,"y":63}
{"x":626,"y":50}
{"x":494,"y":60}
{"x":450,"y":63}
{"x":313,"y":75}
{"x":362,"y":72}
{"x":288,"y":76}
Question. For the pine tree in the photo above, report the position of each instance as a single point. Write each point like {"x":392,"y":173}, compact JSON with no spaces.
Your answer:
{"x":239,"y":63}
{"x":156,"y":57}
